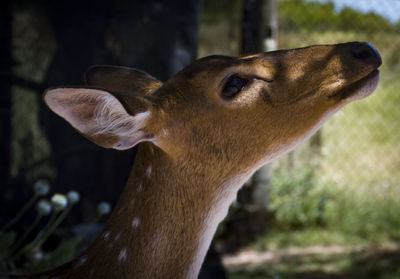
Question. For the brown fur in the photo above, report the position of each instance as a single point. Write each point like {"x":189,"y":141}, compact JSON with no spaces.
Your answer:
{"x":202,"y":147}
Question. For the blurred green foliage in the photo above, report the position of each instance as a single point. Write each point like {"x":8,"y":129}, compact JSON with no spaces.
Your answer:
{"x":296,"y":201}
{"x":316,"y":16}
{"x":305,"y":15}
{"x":214,"y":11}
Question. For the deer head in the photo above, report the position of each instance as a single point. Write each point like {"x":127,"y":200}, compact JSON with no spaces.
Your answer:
{"x":234,"y":113}
{"x":211,"y":125}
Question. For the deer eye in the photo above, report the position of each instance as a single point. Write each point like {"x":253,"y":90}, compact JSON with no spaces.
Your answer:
{"x":233,"y":86}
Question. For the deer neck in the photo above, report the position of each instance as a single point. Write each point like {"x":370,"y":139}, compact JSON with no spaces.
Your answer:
{"x":164,"y":222}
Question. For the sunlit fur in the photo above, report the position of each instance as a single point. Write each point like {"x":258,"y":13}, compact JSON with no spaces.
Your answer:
{"x":200,"y":146}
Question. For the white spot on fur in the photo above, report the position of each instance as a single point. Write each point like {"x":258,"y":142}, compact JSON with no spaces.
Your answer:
{"x":122,"y":255}
{"x":80,"y":261}
{"x":139,"y":188}
{"x":148,"y":172}
{"x":117,"y":236}
{"x":135,"y":222}
{"x":106,"y":235}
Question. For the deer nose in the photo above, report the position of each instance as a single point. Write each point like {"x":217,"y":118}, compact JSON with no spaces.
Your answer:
{"x":366,"y":53}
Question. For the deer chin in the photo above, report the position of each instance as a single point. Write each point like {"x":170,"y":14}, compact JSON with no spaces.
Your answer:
{"x":359,"y":89}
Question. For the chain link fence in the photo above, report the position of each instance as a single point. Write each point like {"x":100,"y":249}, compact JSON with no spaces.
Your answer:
{"x":349,"y":171}
{"x":347,"y":176}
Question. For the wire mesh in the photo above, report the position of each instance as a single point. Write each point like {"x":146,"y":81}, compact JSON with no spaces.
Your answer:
{"x":354,"y":159}
{"x":349,"y":172}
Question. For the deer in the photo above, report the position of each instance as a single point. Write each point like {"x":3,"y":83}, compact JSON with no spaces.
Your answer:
{"x":202,"y":134}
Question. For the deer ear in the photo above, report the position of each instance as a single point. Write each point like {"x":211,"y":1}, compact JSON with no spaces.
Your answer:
{"x":99,"y":116}
{"x":121,"y":79}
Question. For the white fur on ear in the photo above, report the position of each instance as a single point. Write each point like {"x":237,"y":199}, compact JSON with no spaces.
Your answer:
{"x":129,"y":140}
{"x":98,"y":115}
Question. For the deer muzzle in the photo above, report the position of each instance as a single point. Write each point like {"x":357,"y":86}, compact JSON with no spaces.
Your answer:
{"x":367,"y":60}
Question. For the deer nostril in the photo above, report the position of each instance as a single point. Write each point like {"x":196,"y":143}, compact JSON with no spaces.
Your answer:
{"x":361,"y":53}
{"x":366,"y":52}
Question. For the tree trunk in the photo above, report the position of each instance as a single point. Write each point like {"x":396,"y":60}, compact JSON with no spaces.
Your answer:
{"x":259,"y":34}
